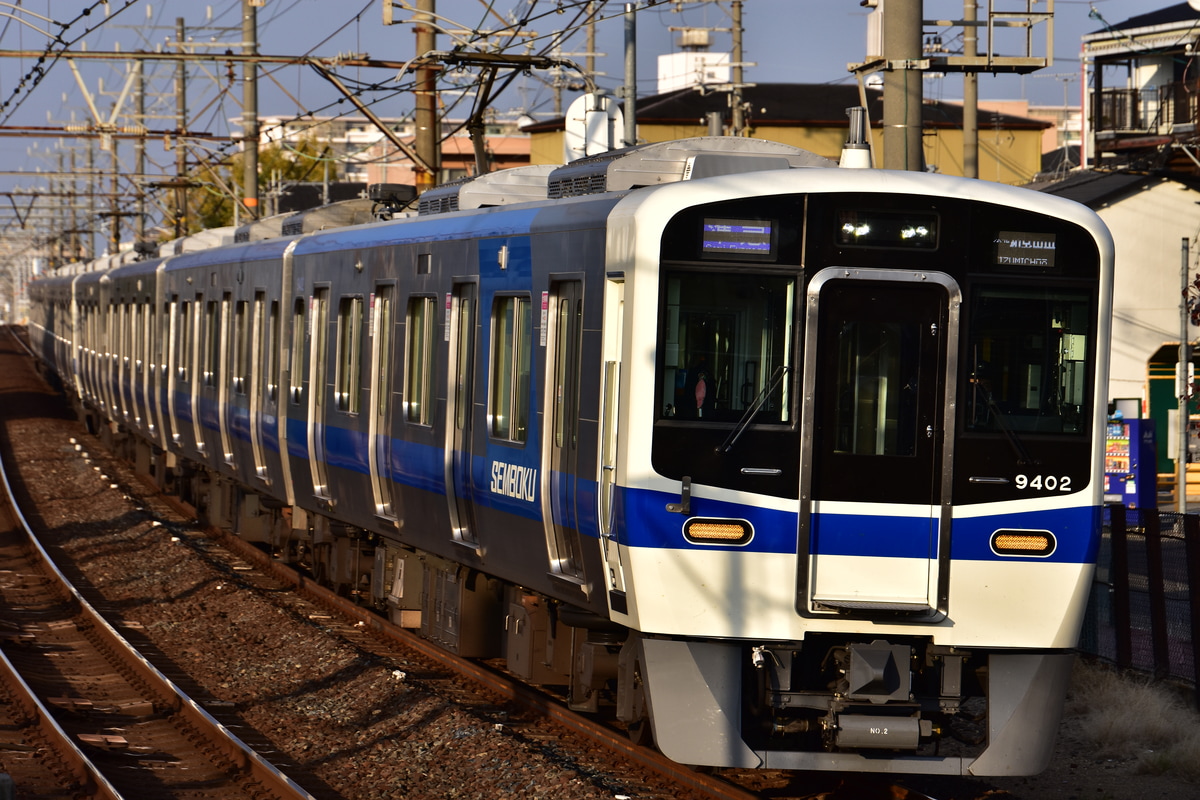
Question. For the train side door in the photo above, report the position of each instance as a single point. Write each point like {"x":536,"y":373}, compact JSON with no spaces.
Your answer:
{"x":878,"y":411}
{"x":199,"y":331}
{"x":260,"y":361}
{"x":380,"y":433}
{"x":172,"y":366}
{"x":317,"y":389}
{"x":561,"y":442}
{"x":229,"y":379}
{"x":461,"y":333}
{"x":610,"y":417}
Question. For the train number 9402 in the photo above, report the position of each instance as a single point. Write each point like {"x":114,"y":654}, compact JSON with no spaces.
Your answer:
{"x":1043,"y":483}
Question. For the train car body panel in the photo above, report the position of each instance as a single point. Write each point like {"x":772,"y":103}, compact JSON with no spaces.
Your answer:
{"x":804,"y":462}
{"x":889,"y":567}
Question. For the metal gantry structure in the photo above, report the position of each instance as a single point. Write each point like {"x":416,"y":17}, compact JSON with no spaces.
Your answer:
{"x":56,"y":221}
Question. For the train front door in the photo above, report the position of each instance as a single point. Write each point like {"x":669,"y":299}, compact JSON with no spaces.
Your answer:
{"x":877,"y":420}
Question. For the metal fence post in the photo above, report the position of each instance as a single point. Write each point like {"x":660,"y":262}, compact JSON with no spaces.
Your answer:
{"x":1159,"y":635}
{"x":1191,"y":538}
{"x":1119,"y":574}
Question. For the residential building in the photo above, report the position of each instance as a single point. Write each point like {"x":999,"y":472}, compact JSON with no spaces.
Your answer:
{"x":1144,"y":83}
{"x":364,"y":154}
{"x":813,"y":117}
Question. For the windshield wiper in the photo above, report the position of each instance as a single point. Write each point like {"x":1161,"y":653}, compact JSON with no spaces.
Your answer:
{"x":1018,"y":446}
{"x":754,"y":408}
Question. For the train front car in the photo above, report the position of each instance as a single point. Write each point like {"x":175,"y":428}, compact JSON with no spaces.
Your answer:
{"x":863,"y":532}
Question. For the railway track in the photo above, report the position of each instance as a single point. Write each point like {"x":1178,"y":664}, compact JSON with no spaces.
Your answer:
{"x":122,"y":727}
{"x":494,"y":700}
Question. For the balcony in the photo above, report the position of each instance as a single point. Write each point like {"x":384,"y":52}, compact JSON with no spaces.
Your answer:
{"x":1149,"y":117}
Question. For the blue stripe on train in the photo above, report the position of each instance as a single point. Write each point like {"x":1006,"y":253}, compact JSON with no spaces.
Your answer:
{"x":643,"y":520}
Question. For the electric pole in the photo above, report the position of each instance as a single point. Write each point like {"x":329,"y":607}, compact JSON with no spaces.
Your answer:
{"x":735,"y":94}
{"x":630,"y":93}
{"x":250,"y":109}
{"x":1183,"y":386}
{"x":139,"y":150}
{"x":903,"y":92}
{"x":429,"y":138}
{"x":181,"y":198}
{"x":970,"y":93}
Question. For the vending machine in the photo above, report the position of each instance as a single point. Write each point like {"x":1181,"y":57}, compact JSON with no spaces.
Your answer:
{"x":1130,"y":463}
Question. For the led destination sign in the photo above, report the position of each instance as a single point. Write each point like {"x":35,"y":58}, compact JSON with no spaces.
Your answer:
{"x":1025,"y":249}
{"x":737,"y":236}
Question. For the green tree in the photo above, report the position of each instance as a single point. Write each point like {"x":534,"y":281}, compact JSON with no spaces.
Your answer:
{"x":209,"y":202}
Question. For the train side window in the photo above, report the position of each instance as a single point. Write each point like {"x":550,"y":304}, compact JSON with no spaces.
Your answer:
{"x":296,"y":388}
{"x":418,"y":374}
{"x":1027,"y":360}
{"x":212,"y":342}
{"x":349,"y":354}
{"x":133,"y":337}
{"x":183,"y":358}
{"x":240,"y":362}
{"x":724,"y":340}
{"x":151,"y":342}
{"x":270,"y":355}
{"x":512,"y":342}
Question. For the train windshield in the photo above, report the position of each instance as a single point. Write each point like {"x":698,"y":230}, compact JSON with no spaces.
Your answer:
{"x":722,"y":338}
{"x":1028,"y":357}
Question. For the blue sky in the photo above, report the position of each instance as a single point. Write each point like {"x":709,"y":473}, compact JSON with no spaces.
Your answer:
{"x":808,"y":41}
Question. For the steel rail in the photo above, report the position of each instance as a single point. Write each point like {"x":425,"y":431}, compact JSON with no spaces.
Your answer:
{"x":231,"y":747}
{"x":90,"y":779}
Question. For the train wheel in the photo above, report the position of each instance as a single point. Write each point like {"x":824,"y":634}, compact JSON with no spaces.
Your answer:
{"x":322,"y":569}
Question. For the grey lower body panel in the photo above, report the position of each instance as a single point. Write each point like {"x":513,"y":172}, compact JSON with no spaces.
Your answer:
{"x":694,"y":693}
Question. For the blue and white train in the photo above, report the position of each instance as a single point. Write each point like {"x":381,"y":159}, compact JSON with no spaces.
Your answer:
{"x":783,"y":464}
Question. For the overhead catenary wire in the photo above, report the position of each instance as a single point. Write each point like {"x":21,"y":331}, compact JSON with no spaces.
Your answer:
{"x":373,"y":93}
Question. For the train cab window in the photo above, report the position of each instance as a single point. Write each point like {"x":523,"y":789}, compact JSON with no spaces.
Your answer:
{"x":418,"y":363}
{"x":1027,"y":360}
{"x":878,"y":363}
{"x":349,"y":355}
{"x":512,"y":342}
{"x":725,"y":343}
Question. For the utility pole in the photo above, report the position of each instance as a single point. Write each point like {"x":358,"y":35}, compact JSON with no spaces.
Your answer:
{"x":903,"y":93}
{"x":181,"y":198}
{"x":76,"y":251}
{"x":735,"y":95}
{"x":429,"y":138}
{"x":970,"y":93}
{"x":139,"y":149}
{"x":114,"y":199}
{"x":630,"y":93}
{"x":59,"y":186}
{"x":1183,"y":388}
{"x":91,"y":205}
{"x":590,"y":58}
{"x":250,"y":109}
